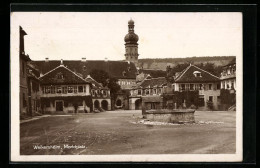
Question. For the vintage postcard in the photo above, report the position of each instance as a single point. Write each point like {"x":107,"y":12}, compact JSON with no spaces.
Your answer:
{"x":126,"y":86}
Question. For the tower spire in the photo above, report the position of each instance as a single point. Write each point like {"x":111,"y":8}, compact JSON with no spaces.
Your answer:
{"x":131,"y":45}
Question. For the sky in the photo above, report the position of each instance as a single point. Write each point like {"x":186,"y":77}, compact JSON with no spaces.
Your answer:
{"x":98,"y":35}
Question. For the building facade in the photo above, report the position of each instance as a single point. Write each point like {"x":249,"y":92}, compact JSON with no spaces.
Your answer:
{"x":228,"y":76}
{"x":101,"y":99}
{"x":149,"y":92}
{"x":194,"y":78}
{"x":62,"y":90}
{"x":33,"y":90}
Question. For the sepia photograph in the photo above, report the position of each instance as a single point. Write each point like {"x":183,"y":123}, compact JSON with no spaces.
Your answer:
{"x":126,"y":86}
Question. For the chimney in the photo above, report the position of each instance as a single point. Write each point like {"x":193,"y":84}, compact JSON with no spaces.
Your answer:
{"x":61,"y":62}
{"x":22,"y":34}
{"x":106,"y":59}
{"x":83,"y":59}
{"x":46,"y":59}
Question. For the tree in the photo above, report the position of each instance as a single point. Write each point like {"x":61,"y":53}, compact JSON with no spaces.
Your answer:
{"x":113,"y":86}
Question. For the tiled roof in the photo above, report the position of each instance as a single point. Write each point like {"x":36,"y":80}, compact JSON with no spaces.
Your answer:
{"x":187,"y":76}
{"x":154,"y":73}
{"x":152,"y":82}
{"x":114,"y":68}
{"x":69,"y":77}
{"x":94,"y":83}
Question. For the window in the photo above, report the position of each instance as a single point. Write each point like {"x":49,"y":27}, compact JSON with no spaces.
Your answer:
{"x":227,"y":86}
{"x":154,"y":91}
{"x":93,"y":92}
{"x":84,"y":68}
{"x":75,"y":89}
{"x":34,"y":105}
{"x":52,"y":89}
{"x":232,"y":85}
{"x":197,"y":74}
{"x":47,"y":89}
{"x":64,"y":89}
{"x":98,"y":92}
{"x":201,"y":86}
{"x":218,"y":86}
{"x":210,"y":86}
{"x":59,"y":76}
{"x":159,"y":91}
{"x":196,"y":87}
{"x":80,"y":89}
{"x":139,"y":92}
{"x":104,"y":93}
{"x":182,"y":87}
{"x":191,"y":86}
{"x":211,"y":98}
{"x":84,"y":89}
{"x":124,"y":73}
{"x":70,"y":89}
{"x":59,"y":89}
{"x":35,"y":86}
{"x":23,"y":68}
{"x":24,"y":101}
{"x":147,"y":92}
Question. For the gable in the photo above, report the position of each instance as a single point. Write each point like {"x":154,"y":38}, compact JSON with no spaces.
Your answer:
{"x":62,"y":75}
{"x":188,"y":76}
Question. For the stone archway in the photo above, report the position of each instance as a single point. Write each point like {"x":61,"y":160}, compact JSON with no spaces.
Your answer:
{"x":104,"y":105}
{"x":96,"y":104}
{"x":138,"y":104}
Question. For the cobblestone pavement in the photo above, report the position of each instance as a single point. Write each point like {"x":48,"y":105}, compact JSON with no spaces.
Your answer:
{"x":125,"y":132}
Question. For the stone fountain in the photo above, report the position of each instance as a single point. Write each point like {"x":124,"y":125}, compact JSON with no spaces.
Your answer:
{"x":169,"y":114}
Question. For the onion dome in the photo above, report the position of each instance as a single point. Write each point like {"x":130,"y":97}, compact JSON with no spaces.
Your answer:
{"x":131,"y":38}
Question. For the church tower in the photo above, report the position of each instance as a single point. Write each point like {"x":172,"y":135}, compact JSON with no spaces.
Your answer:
{"x":131,"y":45}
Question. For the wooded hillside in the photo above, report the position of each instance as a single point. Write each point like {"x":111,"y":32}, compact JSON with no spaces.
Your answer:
{"x":162,"y":63}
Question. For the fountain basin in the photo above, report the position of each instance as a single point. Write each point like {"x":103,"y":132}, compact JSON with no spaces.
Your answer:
{"x":171,"y":116}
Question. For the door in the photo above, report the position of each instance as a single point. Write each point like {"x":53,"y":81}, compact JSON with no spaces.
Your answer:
{"x":59,"y":106}
{"x":104,"y":104}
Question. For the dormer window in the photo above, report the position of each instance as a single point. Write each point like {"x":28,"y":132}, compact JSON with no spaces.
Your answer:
{"x":60,"y":76}
{"x":197,"y":74}
{"x":84,"y":68}
{"x":124,"y":73}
